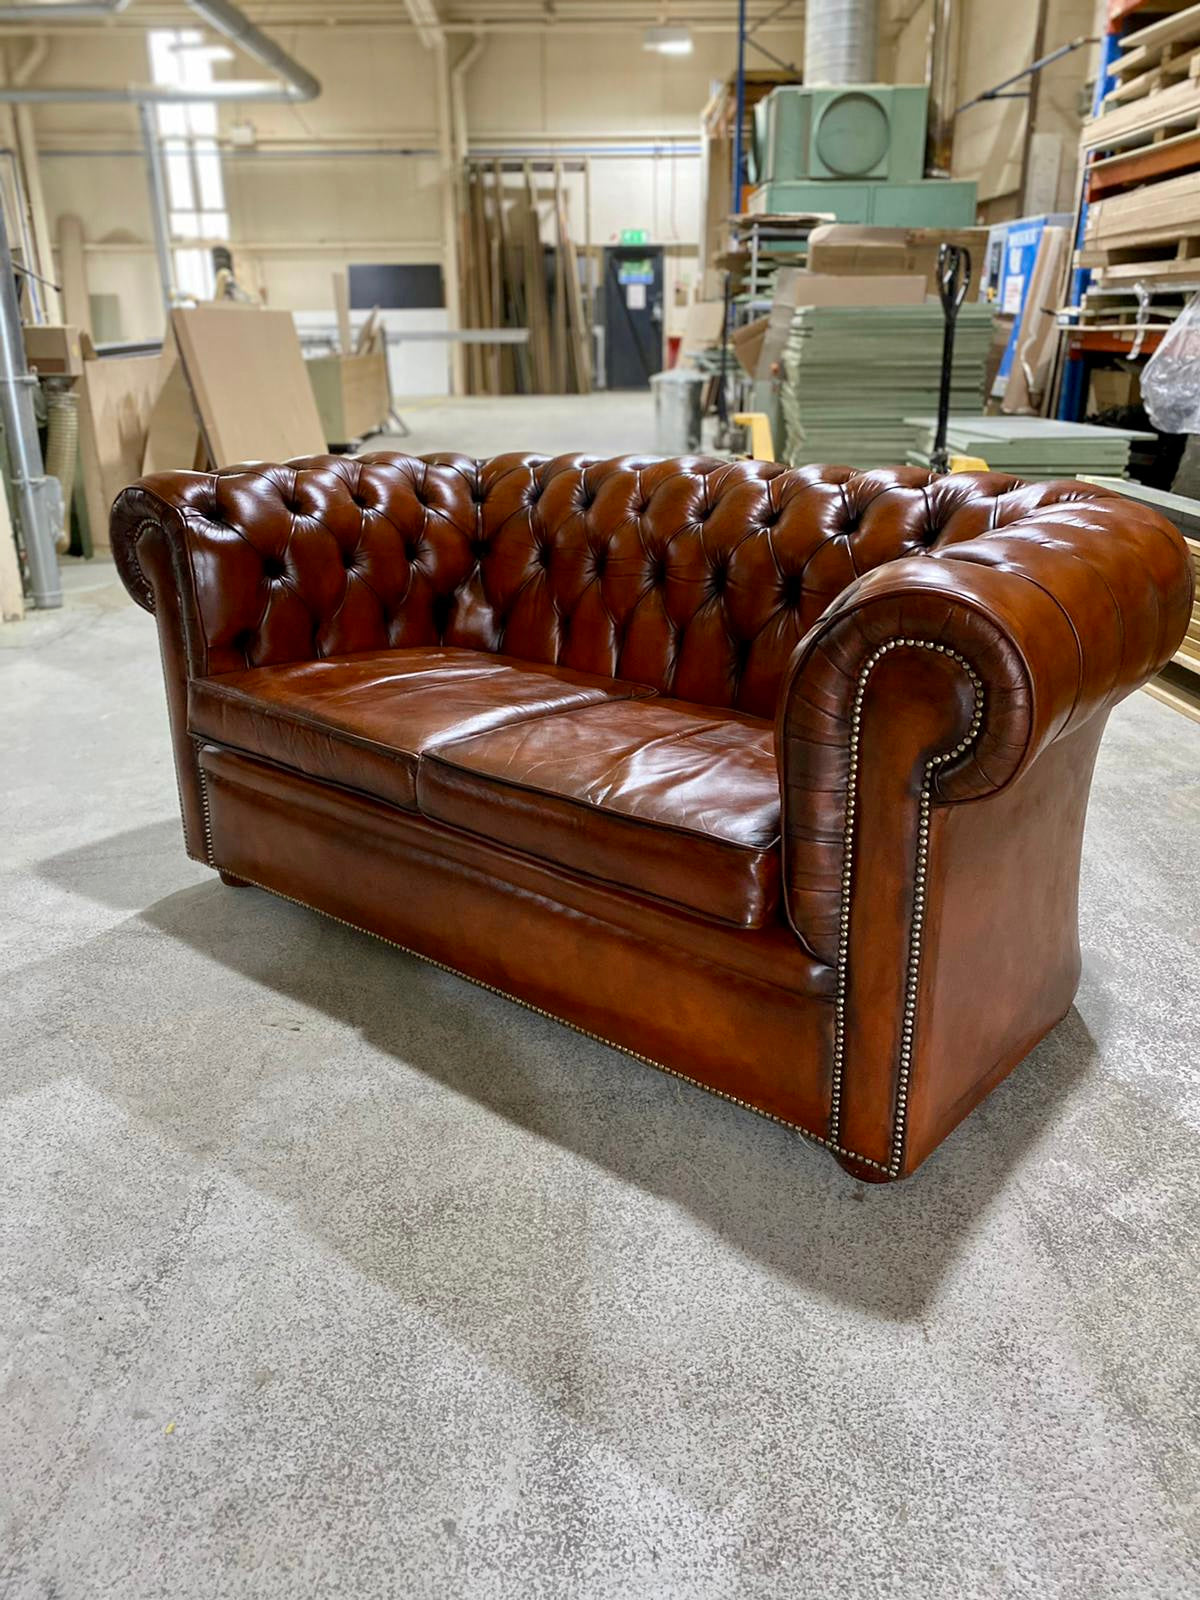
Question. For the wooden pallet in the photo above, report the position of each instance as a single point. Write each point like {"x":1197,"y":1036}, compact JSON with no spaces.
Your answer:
{"x":1158,"y":43}
{"x":1160,"y":56}
{"x":1171,"y":110}
{"x":1166,"y":157}
{"x":1165,"y":262}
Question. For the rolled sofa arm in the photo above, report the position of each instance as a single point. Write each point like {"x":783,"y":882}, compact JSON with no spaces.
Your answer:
{"x":936,"y":733}
{"x":235,"y":567}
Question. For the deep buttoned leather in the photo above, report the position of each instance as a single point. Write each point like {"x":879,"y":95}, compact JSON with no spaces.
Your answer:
{"x":669,"y":799}
{"x":698,"y":577}
{"x":363,"y":721}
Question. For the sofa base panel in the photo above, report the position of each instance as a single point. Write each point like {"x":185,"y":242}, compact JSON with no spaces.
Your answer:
{"x":449,"y":899}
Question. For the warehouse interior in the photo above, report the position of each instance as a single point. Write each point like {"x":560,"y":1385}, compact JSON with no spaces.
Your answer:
{"x":326,"y":1271}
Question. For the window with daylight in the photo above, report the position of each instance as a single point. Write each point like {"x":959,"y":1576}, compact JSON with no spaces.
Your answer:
{"x":180,"y":58}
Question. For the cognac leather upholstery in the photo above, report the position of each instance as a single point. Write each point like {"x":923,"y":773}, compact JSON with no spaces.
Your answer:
{"x":365,"y":720}
{"x":674,"y":800}
{"x":752,"y":771}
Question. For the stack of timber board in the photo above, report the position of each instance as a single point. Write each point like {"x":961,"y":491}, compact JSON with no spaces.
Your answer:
{"x":852,"y":374}
{"x":1029,"y":447}
{"x":1179,"y":682}
{"x":1143,"y":183}
{"x":511,"y":279}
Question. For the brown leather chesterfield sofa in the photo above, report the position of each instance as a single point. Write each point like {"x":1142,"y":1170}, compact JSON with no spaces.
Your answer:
{"x":775,"y":779}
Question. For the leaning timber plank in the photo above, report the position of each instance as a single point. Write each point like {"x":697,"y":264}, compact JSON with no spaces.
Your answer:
{"x":483,"y":261}
{"x":466,"y":284}
{"x":495,"y":286}
{"x":508,"y":353}
{"x":535,"y":289}
{"x":561,"y":362}
{"x":578,"y":343}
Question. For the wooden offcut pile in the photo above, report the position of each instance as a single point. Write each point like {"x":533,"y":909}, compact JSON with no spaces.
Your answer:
{"x":512,"y":279}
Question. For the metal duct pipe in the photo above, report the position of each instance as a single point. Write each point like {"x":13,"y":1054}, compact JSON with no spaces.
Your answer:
{"x":298,"y":83}
{"x":939,"y":74}
{"x":31,"y":487}
{"x":839,"y":41}
{"x":157,"y":185}
{"x":234,"y":24}
{"x":68,"y":11}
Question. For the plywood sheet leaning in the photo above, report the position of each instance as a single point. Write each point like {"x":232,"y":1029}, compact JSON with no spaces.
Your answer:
{"x":246,"y":373}
{"x":173,"y":440}
{"x":117,"y":396}
{"x":1037,"y":333}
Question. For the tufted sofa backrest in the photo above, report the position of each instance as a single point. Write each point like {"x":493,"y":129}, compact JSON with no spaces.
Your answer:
{"x":695,"y":575}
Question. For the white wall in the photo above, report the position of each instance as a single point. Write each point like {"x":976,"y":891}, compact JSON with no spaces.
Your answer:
{"x":992,"y":41}
{"x":296,"y":215}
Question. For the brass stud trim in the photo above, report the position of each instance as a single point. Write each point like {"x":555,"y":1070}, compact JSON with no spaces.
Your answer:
{"x":204,"y":808}
{"x":908,"y":1026}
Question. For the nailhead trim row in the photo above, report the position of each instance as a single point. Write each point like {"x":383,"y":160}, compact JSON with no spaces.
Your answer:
{"x":208,"y":843}
{"x":908,"y":1026}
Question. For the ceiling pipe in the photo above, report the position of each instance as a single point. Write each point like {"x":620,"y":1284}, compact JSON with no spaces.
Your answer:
{"x":458,"y":99}
{"x":298,"y":83}
{"x":432,"y":35}
{"x":68,"y":11}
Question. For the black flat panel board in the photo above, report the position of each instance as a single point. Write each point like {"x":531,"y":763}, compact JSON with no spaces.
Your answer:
{"x":410,"y":287}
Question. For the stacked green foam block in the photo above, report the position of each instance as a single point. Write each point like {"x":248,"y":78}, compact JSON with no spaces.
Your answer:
{"x":852,"y":375}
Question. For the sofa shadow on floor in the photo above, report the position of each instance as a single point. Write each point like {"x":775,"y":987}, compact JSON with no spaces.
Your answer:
{"x":753,"y":1183}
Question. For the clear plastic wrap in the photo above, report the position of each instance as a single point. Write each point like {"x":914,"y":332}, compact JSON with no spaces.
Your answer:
{"x":1171,"y":377}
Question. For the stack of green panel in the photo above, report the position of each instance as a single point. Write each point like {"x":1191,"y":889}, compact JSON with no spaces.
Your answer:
{"x":852,"y":375}
{"x":1030,"y":447}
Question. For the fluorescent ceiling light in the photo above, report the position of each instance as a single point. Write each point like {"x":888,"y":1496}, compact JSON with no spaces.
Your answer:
{"x":668,"y":41}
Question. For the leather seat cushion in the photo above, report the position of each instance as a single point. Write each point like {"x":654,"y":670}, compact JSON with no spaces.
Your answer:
{"x":363,"y":721}
{"x":670,"y":799}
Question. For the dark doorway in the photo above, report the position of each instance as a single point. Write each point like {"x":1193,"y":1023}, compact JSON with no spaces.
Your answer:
{"x":633,"y":315}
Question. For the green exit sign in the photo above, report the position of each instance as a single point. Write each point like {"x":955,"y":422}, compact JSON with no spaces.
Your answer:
{"x":634,"y":236}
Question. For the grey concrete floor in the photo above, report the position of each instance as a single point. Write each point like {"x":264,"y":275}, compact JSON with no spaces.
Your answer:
{"x":323,"y":1273}
{"x":617,"y":422}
